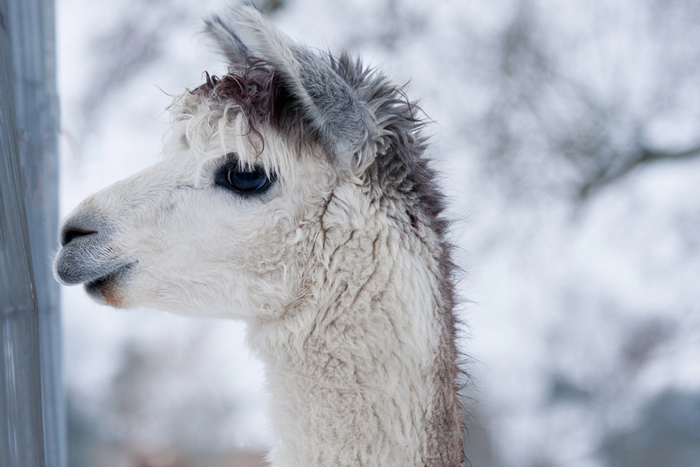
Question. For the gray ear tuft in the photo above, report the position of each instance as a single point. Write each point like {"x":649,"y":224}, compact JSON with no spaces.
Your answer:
{"x":228,"y":41}
{"x":345,"y":125}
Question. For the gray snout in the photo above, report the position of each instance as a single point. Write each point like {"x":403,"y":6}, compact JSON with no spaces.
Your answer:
{"x":87,"y":253}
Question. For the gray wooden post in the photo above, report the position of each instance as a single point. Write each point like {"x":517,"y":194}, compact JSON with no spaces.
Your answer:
{"x":32,"y":407}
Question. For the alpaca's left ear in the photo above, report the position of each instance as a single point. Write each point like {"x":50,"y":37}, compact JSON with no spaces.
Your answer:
{"x":345,"y":125}
{"x":231,"y":45}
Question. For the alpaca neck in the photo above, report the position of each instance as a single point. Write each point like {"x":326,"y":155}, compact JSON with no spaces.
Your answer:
{"x":362,"y":374}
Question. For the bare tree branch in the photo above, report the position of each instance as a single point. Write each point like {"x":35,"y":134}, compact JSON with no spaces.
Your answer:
{"x":643,"y":156}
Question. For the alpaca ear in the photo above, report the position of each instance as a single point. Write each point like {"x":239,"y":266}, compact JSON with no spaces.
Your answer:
{"x":345,"y":125}
{"x":228,"y":41}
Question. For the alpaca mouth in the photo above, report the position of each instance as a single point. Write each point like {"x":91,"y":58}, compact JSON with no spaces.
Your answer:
{"x":85,"y":262}
{"x":110,"y":276}
{"x":90,"y":259}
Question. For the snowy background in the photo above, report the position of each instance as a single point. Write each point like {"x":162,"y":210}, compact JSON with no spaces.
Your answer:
{"x":568,"y":134}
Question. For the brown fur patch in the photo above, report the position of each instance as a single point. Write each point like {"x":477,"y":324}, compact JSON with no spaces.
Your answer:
{"x":110,"y":295}
{"x":260,"y":93}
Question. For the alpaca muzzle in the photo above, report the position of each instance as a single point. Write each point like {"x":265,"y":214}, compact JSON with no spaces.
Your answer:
{"x":87,"y":254}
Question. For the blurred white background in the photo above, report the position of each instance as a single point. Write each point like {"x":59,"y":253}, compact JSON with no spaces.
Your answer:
{"x":568,"y":135}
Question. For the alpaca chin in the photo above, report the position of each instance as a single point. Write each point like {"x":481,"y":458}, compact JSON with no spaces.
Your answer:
{"x":107,"y":290}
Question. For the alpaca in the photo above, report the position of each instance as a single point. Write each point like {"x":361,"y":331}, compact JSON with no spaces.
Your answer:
{"x":295,"y":195}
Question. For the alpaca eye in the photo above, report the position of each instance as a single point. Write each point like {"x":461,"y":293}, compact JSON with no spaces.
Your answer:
{"x":247,"y":181}
{"x":243,"y":181}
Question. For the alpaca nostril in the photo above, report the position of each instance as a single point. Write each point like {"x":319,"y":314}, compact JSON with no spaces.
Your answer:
{"x":71,"y":233}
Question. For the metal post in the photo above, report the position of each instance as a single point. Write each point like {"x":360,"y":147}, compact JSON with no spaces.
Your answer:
{"x":32,"y":409}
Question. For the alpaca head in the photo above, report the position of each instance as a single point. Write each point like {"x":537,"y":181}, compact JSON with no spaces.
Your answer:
{"x":228,"y":221}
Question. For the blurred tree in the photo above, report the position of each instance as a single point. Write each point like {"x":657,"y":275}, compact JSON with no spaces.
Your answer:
{"x":577,"y":108}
